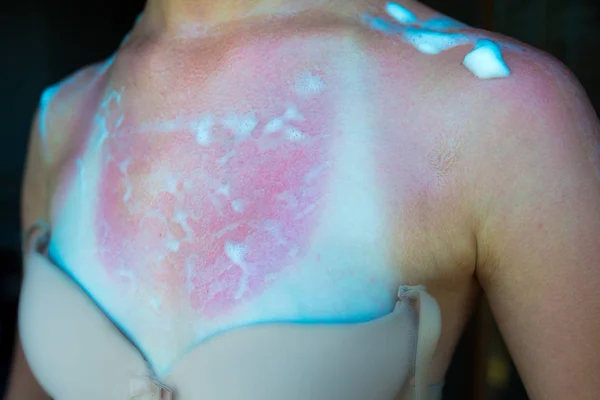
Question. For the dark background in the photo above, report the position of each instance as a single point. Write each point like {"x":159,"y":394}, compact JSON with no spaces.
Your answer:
{"x":42,"y":41}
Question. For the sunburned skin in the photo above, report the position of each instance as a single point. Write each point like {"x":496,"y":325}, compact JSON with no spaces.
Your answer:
{"x":230,"y":214}
{"x":263,"y":193}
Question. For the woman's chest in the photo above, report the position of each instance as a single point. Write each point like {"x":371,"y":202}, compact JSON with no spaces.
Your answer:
{"x":195,"y":213}
{"x":291,"y":198}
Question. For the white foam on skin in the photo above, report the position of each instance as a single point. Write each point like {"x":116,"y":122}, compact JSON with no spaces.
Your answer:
{"x":242,"y":126}
{"x":236,"y":253}
{"x":433,"y":42}
{"x":292,"y":114}
{"x":308,"y":85}
{"x":485,"y":62}
{"x":123,"y":166}
{"x":204,"y":130}
{"x":429,"y":37}
{"x":400,"y":14}
{"x":238,"y":206}
{"x":294,"y":134}
{"x":102,"y":133}
{"x":273,"y":126}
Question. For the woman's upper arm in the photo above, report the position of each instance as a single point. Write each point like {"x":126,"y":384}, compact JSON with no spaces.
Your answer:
{"x":539,"y":237}
{"x":22,"y":385}
{"x":34,"y":190}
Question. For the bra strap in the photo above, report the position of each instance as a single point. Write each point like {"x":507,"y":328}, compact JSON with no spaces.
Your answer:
{"x":430,"y":326}
{"x":146,"y":388}
{"x":36,"y":236}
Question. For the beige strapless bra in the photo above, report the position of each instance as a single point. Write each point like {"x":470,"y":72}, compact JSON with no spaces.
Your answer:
{"x":77,"y":353}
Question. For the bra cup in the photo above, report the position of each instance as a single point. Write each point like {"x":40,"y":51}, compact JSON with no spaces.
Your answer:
{"x":76,"y":352}
{"x":68,"y":343}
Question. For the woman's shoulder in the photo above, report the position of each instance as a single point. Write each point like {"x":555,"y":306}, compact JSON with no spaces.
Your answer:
{"x":65,"y":107}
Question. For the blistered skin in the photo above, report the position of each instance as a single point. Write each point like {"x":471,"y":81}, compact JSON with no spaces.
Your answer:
{"x":197,"y":198}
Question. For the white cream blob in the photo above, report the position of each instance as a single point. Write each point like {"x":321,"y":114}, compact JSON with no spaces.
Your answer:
{"x":204,"y":130}
{"x":485,"y":61}
{"x":235,"y":252}
{"x":273,"y":126}
{"x":400,"y":14}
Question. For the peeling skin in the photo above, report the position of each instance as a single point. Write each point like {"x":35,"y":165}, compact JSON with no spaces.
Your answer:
{"x":234,"y":200}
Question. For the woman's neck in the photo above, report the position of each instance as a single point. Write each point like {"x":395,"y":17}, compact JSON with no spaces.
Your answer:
{"x":209,"y":13}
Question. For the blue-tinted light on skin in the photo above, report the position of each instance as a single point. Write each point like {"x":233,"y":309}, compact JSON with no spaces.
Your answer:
{"x":443,"y":24}
{"x":45,"y":100}
{"x":381,"y":25}
{"x":106,"y":65}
